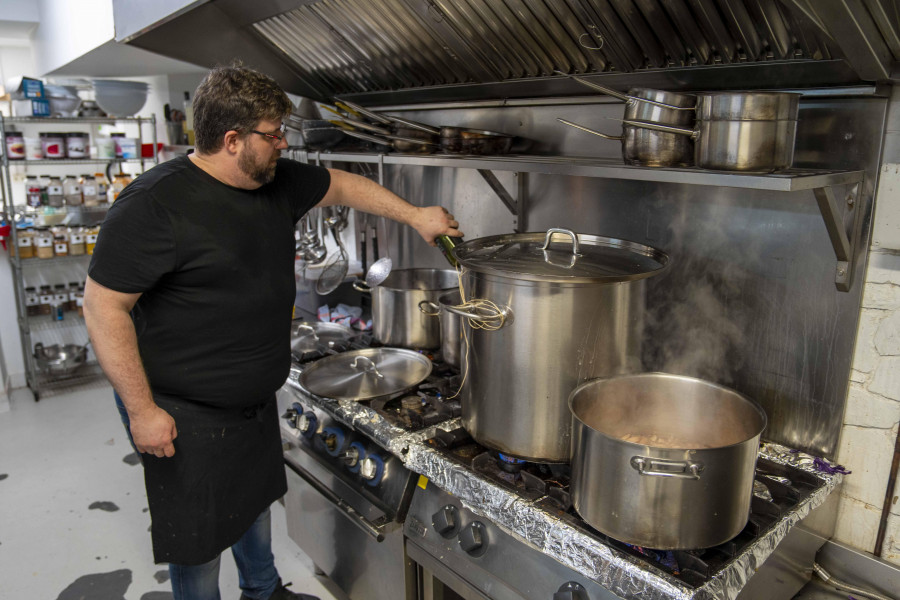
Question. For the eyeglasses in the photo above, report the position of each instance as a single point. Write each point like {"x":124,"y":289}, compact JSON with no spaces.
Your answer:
{"x":272,"y":136}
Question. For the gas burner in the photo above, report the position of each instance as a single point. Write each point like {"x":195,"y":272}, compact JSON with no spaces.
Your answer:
{"x":510,"y":464}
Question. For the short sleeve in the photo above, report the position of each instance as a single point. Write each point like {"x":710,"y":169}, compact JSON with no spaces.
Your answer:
{"x":304,"y":184}
{"x":135,"y":246}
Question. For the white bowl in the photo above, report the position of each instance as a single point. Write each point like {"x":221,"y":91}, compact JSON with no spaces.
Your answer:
{"x":119,"y":83}
{"x":120,"y":103}
{"x":63,"y":106}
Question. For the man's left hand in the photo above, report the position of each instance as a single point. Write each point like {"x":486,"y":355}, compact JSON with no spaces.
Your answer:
{"x":432,"y":221}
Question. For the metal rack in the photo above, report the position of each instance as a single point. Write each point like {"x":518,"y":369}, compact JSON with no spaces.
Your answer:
{"x":39,"y":381}
{"x":821,"y":182}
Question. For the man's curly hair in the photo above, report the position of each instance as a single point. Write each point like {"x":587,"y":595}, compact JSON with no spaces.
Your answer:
{"x":234,"y":98}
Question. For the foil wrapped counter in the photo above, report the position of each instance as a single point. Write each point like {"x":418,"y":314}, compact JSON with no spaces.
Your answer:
{"x":623,"y":575}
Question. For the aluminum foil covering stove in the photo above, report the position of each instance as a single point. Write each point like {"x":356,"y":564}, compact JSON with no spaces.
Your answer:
{"x":622,"y":574}
{"x":360,"y":417}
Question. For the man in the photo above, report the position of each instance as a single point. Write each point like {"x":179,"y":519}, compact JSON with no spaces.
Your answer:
{"x":188,"y":305}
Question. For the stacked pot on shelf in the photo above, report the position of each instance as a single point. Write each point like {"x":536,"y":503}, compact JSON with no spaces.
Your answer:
{"x":726,"y":131}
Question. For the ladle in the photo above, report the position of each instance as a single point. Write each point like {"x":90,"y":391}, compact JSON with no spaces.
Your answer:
{"x":379,"y":271}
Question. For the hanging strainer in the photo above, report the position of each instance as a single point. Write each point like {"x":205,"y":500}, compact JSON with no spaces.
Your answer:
{"x":335,"y":269}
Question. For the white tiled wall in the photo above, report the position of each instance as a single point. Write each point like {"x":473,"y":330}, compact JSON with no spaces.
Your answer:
{"x":872,"y":416}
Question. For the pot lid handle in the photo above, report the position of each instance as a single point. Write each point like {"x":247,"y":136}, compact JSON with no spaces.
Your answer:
{"x":368,"y":366}
{"x":309,"y":328}
{"x":575,"y":253}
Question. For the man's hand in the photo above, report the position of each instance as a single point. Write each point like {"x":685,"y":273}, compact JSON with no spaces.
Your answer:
{"x":153,"y":431}
{"x":432,"y":221}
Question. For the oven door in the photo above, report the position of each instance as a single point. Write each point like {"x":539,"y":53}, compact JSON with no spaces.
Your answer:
{"x":354,"y":542}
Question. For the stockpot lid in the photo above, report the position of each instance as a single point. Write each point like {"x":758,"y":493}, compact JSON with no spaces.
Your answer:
{"x":367,"y":373}
{"x":561,"y":256}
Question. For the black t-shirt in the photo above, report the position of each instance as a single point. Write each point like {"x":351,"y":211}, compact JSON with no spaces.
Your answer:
{"x":215,"y":267}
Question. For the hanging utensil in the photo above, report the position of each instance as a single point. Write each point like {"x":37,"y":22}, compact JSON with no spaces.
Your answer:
{"x":336,"y":269}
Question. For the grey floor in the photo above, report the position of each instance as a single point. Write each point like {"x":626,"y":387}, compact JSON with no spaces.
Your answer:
{"x":73,"y":512}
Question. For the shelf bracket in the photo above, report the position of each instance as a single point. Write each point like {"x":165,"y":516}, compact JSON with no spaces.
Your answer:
{"x":517,"y":205}
{"x":844,"y":246}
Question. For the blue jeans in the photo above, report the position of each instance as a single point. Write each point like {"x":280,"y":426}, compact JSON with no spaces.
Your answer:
{"x":257,"y":575}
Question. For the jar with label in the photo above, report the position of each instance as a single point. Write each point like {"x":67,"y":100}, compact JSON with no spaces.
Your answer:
{"x":44,"y":181}
{"x":60,"y":300}
{"x":90,"y":239}
{"x":53,"y":145}
{"x":89,"y":190}
{"x":60,"y":241}
{"x":15,"y":145}
{"x":45,"y":300}
{"x":25,"y":243}
{"x":76,"y":242}
{"x":118,"y":184}
{"x":55,"y":197}
{"x":77,"y":144}
{"x":32,"y":192}
{"x":102,"y":186}
{"x":33,"y":148}
{"x":79,"y":300}
{"x":73,"y":295}
{"x":72,"y":191}
{"x":43,"y":243}
{"x":32,"y":302}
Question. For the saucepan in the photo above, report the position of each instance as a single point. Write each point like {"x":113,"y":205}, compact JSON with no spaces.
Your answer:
{"x":737,"y":131}
{"x":474,"y":141}
{"x":399,"y":143}
{"x":648,"y":148}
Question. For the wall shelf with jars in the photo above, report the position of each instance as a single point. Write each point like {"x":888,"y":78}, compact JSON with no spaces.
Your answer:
{"x":55,"y":209}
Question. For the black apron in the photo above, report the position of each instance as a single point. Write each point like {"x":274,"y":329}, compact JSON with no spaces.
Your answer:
{"x":227,"y":469}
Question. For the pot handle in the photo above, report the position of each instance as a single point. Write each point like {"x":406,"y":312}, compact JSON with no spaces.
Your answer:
{"x":693,"y":133}
{"x":310,"y":328}
{"x":429,"y":308}
{"x":494,"y":320}
{"x":368,"y":366}
{"x":360,"y":286}
{"x":660,"y":467}
{"x":625,"y":97}
{"x":583,"y":128}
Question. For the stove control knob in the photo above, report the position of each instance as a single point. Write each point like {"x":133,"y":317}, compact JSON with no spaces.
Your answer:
{"x":571,"y":591}
{"x":446,"y":521}
{"x":473,"y":539}
{"x":353,"y":456}
{"x":307,"y":423}
{"x":293,"y":414}
{"x":371,"y":468}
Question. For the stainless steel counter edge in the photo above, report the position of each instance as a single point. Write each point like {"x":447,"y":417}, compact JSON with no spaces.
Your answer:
{"x":617,"y":571}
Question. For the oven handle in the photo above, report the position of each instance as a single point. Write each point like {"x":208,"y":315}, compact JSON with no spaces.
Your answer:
{"x":367,"y":526}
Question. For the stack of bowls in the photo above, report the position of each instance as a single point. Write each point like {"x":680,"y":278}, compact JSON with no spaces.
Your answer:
{"x":119,"y":98}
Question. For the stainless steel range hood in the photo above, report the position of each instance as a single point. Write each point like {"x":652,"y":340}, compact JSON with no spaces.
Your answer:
{"x":396,"y":51}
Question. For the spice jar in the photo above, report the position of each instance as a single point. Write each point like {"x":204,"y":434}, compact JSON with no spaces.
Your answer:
{"x":55,"y":196}
{"x":73,"y":295}
{"x":76,"y":242}
{"x":43,"y":243}
{"x":102,"y":186}
{"x":32,"y":302}
{"x":32,"y":192}
{"x":25,"y":243}
{"x":45,"y":300}
{"x":72,"y":191}
{"x":77,"y":144}
{"x":60,"y":242}
{"x":44,"y":182}
{"x":89,"y":190}
{"x":33,"y":149}
{"x":90,"y":239}
{"x":119,"y":182}
{"x":15,"y":145}
{"x":60,"y":300}
{"x":53,"y":145}
{"x":79,"y":300}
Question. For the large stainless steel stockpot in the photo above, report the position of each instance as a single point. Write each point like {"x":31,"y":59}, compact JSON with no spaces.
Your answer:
{"x":546,"y":311}
{"x":664,"y":461}
{"x":396,"y":317}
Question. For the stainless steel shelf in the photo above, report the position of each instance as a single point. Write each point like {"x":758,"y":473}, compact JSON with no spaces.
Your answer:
{"x":40,"y":262}
{"x":75,"y":161}
{"x":88,"y":120}
{"x":88,"y":373}
{"x":792,"y":180}
{"x":47,"y":322}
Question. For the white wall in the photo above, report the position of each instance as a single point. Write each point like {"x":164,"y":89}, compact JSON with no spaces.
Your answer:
{"x":70,"y":29}
{"x":872,"y":414}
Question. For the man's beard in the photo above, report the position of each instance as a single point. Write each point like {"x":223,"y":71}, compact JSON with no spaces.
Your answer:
{"x":249,"y":164}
